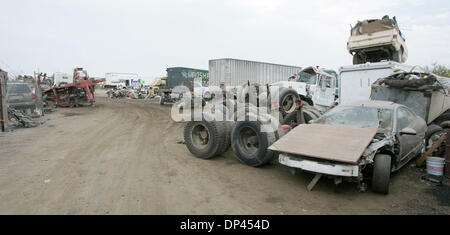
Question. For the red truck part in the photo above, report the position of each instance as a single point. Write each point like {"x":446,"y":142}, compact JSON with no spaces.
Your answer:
{"x":73,"y":94}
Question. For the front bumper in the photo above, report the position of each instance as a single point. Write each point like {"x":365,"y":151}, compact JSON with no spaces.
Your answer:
{"x":322,"y":167}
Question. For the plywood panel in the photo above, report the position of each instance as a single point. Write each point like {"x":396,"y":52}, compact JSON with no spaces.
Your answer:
{"x":336,"y":143}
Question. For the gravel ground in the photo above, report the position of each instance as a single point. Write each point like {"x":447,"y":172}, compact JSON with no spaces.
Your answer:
{"x":122,"y":157}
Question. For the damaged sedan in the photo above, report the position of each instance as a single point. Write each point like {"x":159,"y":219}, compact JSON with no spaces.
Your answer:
{"x":355,"y":142}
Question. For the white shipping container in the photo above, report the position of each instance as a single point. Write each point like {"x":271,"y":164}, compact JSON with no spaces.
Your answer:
{"x":233,"y":72}
{"x":355,"y":81}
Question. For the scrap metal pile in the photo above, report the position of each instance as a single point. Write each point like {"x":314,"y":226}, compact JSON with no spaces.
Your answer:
{"x":127,"y":93}
{"x":18,"y":118}
{"x":73,"y":94}
{"x":413,"y":81}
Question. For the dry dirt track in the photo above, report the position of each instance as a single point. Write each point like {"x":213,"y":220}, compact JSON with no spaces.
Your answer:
{"x":122,"y":157}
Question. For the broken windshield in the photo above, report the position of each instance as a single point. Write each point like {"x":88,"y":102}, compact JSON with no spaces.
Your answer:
{"x":307,"y":78}
{"x":358,"y":116}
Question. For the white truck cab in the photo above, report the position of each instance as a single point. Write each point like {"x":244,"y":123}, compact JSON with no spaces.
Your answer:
{"x":315,"y":86}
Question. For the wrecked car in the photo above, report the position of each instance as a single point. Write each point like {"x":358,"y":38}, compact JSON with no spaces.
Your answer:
{"x":376,"y":40}
{"x":367,"y":139}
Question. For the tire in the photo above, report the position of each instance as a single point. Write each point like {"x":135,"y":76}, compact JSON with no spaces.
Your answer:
{"x":290,"y":118}
{"x":288,"y":99}
{"x":204,"y":139}
{"x":432,"y":129}
{"x":161,"y":100}
{"x":381,"y":173}
{"x":444,"y":117}
{"x":248,"y":93}
{"x":228,"y":127}
{"x":250,"y":144}
{"x":229,"y":109}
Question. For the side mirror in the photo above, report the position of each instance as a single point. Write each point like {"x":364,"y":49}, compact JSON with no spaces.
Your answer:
{"x":408,"y":131}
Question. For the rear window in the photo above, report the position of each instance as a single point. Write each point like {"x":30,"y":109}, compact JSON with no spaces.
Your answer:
{"x":18,"y":88}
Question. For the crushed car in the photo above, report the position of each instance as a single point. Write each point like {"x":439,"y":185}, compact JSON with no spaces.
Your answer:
{"x":366,"y":139}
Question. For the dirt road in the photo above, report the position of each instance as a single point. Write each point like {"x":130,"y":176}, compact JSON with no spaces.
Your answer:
{"x":122,"y":157}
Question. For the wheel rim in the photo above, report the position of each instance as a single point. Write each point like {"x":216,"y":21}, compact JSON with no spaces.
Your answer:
{"x":433,"y":139}
{"x":200,"y":136}
{"x":288,"y":103}
{"x":248,"y":141}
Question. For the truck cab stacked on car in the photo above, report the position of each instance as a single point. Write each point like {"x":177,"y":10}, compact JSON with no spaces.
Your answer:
{"x":376,"y":40}
{"x":375,"y":115}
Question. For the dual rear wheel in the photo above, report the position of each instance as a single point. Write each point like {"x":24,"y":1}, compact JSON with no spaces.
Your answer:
{"x":249,"y":142}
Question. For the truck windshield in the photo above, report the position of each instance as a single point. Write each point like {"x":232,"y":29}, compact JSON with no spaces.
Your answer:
{"x":358,"y":116}
{"x":307,"y":78}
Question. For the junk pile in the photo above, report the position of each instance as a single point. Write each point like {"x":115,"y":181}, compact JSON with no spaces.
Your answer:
{"x":82,"y":92}
{"x":45,"y":82}
{"x":127,"y":93}
{"x":412,"y":81}
{"x":18,"y":118}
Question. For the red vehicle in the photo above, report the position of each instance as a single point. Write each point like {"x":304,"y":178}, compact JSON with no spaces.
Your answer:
{"x":81,"y":92}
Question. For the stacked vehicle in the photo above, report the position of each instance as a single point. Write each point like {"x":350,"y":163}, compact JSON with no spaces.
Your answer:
{"x":365,"y":123}
{"x":377,"y":40}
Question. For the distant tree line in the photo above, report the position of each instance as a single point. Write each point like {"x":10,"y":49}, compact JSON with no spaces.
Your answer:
{"x":438,"y":69}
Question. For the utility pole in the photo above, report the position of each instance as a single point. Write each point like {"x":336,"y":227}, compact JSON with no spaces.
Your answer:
{"x":3,"y":105}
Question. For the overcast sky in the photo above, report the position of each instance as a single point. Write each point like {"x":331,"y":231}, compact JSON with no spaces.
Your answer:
{"x":146,"y":37}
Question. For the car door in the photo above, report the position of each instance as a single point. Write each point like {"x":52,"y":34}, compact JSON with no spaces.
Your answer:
{"x":408,"y":143}
{"x":420,"y":126}
{"x":324,"y":93}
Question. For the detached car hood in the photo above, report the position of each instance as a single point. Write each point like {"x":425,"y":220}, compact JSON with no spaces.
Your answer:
{"x":335,"y":143}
